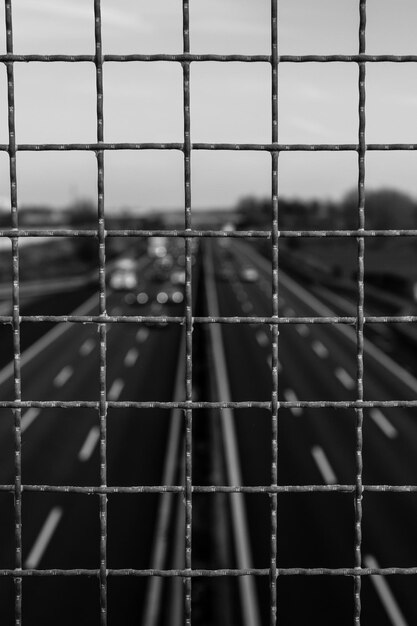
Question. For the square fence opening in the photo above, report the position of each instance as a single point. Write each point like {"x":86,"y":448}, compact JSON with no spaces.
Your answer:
{"x":207,"y":375}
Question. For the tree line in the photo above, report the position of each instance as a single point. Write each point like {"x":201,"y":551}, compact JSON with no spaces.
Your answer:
{"x":385,"y":209}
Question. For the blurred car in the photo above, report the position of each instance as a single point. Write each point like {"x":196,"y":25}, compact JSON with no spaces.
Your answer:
{"x":151,"y":294}
{"x":122,"y":276}
{"x":178,"y":277}
{"x":249,"y":275}
{"x":157,"y":247}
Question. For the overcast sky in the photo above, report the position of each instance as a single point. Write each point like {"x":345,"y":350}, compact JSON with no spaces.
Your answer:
{"x":229,"y":102}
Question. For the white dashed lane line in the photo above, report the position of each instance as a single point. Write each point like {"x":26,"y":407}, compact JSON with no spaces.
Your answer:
{"x":385,"y":594}
{"x":87,"y":347}
{"x":63,"y":376}
{"x":44,"y":538}
{"x":320,"y":349}
{"x":262,"y":338}
{"x":290,"y":396}
{"x":131,"y":357}
{"x":324,"y":466}
{"x":302,"y":329}
{"x":89,"y":444}
{"x":29,"y":417}
{"x":383,"y":423}
{"x":378,"y":355}
{"x":142,"y":335}
{"x":343,"y":377}
{"x":46,"y":340}
{"x":116,"y":389}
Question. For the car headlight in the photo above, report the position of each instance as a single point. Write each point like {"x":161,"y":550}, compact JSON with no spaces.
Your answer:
{"x":177,"y":297}
{"x":130,"y":298}
{"x":162,"y":297}
{"x":142,"y":297}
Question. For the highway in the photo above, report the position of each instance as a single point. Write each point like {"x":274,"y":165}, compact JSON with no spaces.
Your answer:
{"x":61,"y":447}
{"x":316,"y":446}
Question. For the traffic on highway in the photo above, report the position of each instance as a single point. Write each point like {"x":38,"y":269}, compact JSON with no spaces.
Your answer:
{"x":145,"y":448}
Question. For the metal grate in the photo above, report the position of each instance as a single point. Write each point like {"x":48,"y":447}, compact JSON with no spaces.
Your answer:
{"x":188,"y":320}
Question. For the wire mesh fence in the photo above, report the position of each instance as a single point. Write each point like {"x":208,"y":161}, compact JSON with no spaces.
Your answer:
{"x":188,"y":405}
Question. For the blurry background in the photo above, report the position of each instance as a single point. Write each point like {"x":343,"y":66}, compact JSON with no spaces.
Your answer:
{"x":229,"y":102}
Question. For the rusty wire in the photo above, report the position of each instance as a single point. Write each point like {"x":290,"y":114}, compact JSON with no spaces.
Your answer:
{"x":188,"y":320}
{"x":275,"y":299}
{"x":15,"y":317}
{"x":102,"y":310}
{"x":360,"y":320}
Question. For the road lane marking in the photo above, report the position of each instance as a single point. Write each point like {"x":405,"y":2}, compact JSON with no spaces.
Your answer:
{"x":131,"y":357}
{"x":350,"y":308}
{"x":345,"y":378}
{"x":384,"y":592}
{"x":247,"y":589}
{"x":89,"y":444}
{"x":142,"y":335}
{"x":384,"y":343}
{"x":63,"y":376}
{"x":377,"y":354}
{"x":302,"y":329}
{"x":29,"y":417}
{"x":262,"y":338}
{"x":44,"y":538}
{"x":383,"y":423}
{"x":320,"y":349}
{"x":161,"y":541}
{"x":87,"y":347}
{"x":116,"y":389}
{"x":324,"y":466}
{"x":322,"y":310}
{"x":290,"y":396}
{"x":46,"y":340}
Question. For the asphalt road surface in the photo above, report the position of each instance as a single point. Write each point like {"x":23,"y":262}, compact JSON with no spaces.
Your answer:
{"x":61,"y":447}
{"x":316,"y":446}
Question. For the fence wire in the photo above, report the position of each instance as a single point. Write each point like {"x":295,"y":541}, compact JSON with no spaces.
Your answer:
{"x":359,"y":321}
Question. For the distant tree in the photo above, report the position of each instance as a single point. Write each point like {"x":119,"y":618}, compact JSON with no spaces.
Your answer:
{"x":385,"y":209}
{"x":293,"y":214}
{"x":82,"y":214}
{"x":254,"y":212}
